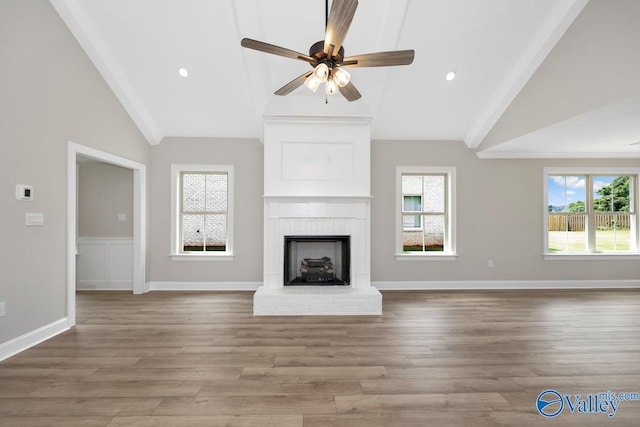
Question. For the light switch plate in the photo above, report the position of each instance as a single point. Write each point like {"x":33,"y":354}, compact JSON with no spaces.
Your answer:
{"x":33,"y":219}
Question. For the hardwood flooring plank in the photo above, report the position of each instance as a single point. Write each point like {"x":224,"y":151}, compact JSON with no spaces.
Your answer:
{"x":263,"y":387}
{"x":420,"y":419}
{"x":173,"y":374}
{"x":118,"y":389}
{"x":90,"y":407}
{"x":210,"y":421}
{"x":434,"y":385}
{"x":31,"y":421}
{"x":45,"y":374}
{"x":317,"y":373}
{"x":373,"y":360}
{"x":246,"y":405}
{"x":368,"y":350}
{"x":72,"y":362}
{"x":255,"y":351}
{"x":451,"y":402}
{"x":209,"y":361}
{"x":480,"y":371}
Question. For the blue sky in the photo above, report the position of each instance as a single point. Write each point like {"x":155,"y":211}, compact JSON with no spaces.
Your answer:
{"x":564,"y":190}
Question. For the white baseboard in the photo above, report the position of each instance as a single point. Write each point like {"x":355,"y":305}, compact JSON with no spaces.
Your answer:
{"x":30,"y":339}
{"x":506,"y":285}
{"x":416,"y":285}
{"x":444,"y":285}
{"x":203,"y":286}
{"x":126,"y":286}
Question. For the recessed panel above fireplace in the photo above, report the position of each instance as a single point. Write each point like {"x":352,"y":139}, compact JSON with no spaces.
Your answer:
{"x":316,"y":260}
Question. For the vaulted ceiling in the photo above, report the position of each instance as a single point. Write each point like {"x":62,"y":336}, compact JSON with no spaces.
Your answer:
{"x":512,"y":59}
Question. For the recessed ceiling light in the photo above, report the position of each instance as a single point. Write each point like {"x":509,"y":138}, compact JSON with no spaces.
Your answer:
{"x":450,"y":76}
{"x":183,"y":72}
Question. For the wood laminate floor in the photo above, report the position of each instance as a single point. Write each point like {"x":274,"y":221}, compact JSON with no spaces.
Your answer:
{"x":432,"y":359}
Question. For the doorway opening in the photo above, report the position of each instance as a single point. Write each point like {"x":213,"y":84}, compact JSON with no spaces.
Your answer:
{"x":74,"y":152}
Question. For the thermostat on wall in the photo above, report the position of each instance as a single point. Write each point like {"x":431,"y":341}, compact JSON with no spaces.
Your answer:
{"x":24,"y":192}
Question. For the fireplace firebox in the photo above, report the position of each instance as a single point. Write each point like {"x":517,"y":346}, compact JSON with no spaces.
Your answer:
{"x":316,"y":260}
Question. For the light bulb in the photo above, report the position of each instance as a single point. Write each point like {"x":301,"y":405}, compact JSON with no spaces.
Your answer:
{"x":330,"y":87}
{"x":341,"y":76}
{"x":450,"y":76}
{"x":322,"y":72}
{"x":312,"y":82}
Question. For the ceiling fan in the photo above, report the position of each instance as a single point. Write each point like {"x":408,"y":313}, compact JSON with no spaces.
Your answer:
{"x":327,"y":56}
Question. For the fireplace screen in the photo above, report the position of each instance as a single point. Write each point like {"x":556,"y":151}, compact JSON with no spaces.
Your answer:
{"x":316,"y":260}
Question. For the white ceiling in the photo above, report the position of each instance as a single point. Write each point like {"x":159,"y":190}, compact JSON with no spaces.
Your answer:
{"x":494,"y":46}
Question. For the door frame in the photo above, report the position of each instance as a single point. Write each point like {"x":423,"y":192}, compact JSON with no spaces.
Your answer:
{"x":139,"y":219}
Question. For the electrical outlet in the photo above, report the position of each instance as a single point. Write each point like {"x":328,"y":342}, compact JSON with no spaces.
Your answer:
{"x":122,"y":217}
{"x":2,"y":312}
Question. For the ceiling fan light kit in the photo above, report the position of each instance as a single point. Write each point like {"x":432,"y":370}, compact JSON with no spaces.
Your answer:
{"x":322,"y":72}
{"x":327,"y":56}
{"x":342,"y":77}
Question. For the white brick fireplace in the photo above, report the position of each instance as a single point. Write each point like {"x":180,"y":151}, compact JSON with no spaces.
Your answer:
{"x":317,"y":183}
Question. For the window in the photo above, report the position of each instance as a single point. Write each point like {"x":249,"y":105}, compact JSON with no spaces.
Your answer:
{"x":202,"y":205}
{"x":425,"y":212}
{"x":591,"y":212}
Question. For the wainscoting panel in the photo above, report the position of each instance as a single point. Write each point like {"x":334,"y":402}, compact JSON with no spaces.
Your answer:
{"x":104,"y":264}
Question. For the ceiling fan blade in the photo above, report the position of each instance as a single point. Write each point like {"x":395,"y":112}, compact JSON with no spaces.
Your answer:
{"x":338,"y":24}
{"x":276,"y":50}
{"x":293,"y":84}
{"x":380,"y":59}
{"x":350,"y":92}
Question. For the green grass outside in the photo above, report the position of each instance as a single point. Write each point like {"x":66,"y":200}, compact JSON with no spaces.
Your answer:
{"x":202,"y":249}
{"x":419,"y":248}
{"x":574,"y":241}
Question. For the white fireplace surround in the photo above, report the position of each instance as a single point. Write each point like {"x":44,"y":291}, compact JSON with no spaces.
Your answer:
{"x":317,"y":183}
{"x":324,"y":217}
{"x":295,"y":216}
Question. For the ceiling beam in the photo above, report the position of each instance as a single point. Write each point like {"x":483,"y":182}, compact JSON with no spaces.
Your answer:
{"x":392,"y":21}
{"x":249,"y":23}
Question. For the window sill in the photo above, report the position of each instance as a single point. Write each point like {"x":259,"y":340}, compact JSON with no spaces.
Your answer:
{"x":223,"y":256}
{"x":426,"y":257}
{"x":592,"y":257}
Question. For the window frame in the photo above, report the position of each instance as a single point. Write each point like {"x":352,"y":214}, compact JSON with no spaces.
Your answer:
{"x":589,"y":173}
{"x":176,"y":253}
{"x":449,"y":252}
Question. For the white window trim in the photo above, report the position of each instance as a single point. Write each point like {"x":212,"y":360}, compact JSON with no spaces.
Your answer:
{"x":583,"y":256}
{"x":175,"y":253}
{"x":449,"y":253}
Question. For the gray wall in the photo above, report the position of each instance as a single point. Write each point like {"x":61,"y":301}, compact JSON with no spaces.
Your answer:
{"x":247,"y":158}
{"x":104,"y":192}
{"x":50,"y":93}
{"x":499,"y":217}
